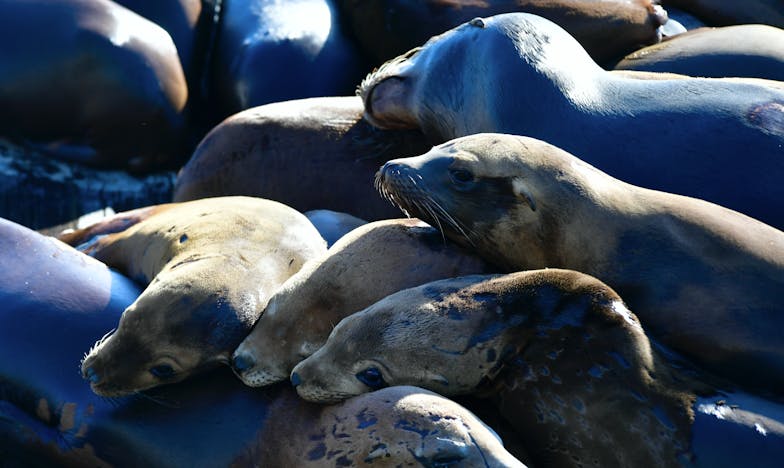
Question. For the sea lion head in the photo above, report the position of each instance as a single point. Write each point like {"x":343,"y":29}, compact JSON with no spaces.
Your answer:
{"x":442,"y":87}
{"x":453,"y":336}
{"x":174,"y":329}
{"x":490,"y":190}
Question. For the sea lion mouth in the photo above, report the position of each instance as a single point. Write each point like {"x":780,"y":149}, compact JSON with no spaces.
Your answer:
{"x":405,"y":188}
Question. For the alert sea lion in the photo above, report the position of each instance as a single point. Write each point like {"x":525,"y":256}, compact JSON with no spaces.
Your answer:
{"x":365,"y":265}
{"x":522,"y":74}
{"x":58,"y":301}
{"x":608,"y":29}
{"x":309,"y":154}
{"x":703,"y":279}
{"x":563,"y":359}
{"x":750,"y":50}
{"x":211,"y":266}
{"x":90,"y":81}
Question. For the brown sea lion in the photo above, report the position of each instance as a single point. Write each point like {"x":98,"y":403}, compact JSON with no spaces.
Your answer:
{"x":607,"y":29}
{"x":729,"y":12}
{"x":750,"y":50}
{"x":211,"y":266}
{"x":365,"y":265}
{"x":90,"y":81}
{"x":309,"y":154}
{"x":703,"y":279}
{"x":565,"y":362}
{"x":522,"y":74}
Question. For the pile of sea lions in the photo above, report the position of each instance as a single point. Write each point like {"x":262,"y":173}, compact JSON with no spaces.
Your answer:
{"x":587,"y":274}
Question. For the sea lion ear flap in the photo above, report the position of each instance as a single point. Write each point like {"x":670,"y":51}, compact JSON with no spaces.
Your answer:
{"x":521,"y":191}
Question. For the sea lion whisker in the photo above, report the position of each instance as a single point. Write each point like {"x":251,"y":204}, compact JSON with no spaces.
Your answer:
{"x":451,"y":220}
{"x":158,"y":401}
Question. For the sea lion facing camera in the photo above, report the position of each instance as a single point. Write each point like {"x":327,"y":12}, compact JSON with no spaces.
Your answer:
{"x":703,"y":279}
{"x":564,"y":361}
{"x":211,"y":265}
{"x":522,"y":74}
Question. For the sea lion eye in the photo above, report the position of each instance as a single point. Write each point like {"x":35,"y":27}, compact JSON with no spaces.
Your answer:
{"x":163,"y":371}
{"x":372,"y":378}
{"x":462,"y":178}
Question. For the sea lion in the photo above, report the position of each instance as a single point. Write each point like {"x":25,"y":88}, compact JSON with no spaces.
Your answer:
{"x":58,"y":301}
{"x":332,"y":225}
{"x":703,"y":279}
{"x":90,"y":81}
{"x":751,"y":50}
{"x":309,"y":154}
{"x":729,"y":12}
{"x":563,"y":359}
{"x":522,"y":74}
{"x":211,"y":266}
{"x":365,"y":265}
{"x":270,"y":51}
{"x":608,"y":29}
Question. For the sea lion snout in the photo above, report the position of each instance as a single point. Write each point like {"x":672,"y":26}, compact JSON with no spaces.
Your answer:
{"x":89,"y":374}
{"x":242,"y":362}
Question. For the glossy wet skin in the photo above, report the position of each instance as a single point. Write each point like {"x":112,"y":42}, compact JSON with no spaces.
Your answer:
{"x":212,"y":265}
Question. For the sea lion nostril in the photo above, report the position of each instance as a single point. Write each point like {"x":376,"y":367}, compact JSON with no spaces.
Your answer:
{"x":295,"y":379}
{"x":242,"y":363}
{"x":91,"y":376}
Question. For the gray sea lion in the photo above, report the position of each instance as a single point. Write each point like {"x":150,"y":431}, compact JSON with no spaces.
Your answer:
{"x":211,"y":266}
{"x":90,"y":81}
{"x":522,"y":74}
{"x":750,"y":50}
{"x":565,"y":361}
{"x":309,"y":154}
{"x":703,"y":279}
{"x":365,"y":265}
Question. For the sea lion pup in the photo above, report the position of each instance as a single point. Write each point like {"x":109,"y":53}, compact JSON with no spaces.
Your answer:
{"x":563,"y":359}
{"x":522,"y":74}
{"x":91,"y":81}
{"x":703,"y":279}
{"x":211,"y":265}
{"x":751,"y":50}
{"x":364,"y":266}
{"x":397,"y":426}
{"x":275,"y":150}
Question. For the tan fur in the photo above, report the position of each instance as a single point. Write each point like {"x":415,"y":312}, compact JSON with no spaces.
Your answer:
{"x":704,"y":280}
{"x":367,"y":264}
{"x":567,"y":364}
{"x":211,"y":265}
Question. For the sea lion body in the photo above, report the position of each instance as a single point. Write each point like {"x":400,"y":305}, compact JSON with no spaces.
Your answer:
{"x":365,"y":265}
{"x":563,"y":359}
{"x":332,"y":225}
{"x":750,"y":50}
{"x":729,"y":12}
{"x":276,"y":150}
{"x":522,"y":74}
{"x":703,"y":279}
{"x":607,"y":28}
{"x":265,"y":52}
{"x":90,"y":81}
{"x":211,"y":266}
